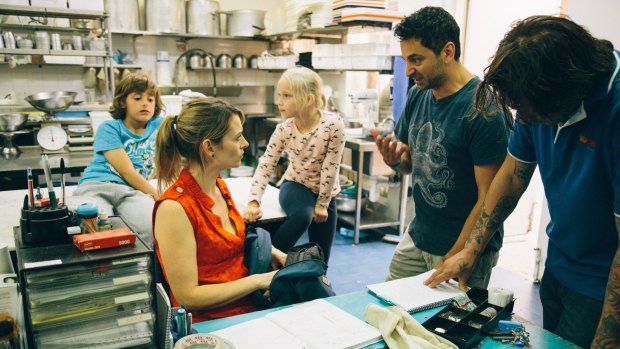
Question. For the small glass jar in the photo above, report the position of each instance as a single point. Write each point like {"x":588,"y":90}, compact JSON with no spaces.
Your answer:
{"x":88,"y":214}
{"x":104,"y":222}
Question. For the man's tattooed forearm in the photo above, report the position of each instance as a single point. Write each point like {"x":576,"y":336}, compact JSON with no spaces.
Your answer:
{"x":488,"y":223}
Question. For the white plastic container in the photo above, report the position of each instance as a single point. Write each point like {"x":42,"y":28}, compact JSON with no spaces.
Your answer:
{"x":173,"y":104}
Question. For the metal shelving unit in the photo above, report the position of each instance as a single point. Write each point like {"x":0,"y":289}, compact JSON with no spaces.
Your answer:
{"x":29,"y":11}
{"x":370,"y":219}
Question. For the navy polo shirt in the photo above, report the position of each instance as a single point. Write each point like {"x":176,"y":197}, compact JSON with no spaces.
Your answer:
{"x":579,"y":163}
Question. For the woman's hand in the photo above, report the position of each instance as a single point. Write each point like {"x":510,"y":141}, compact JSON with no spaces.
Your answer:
{"x":320,"y":215}
{"x":252,"y":213}
{"x":264,"y":280}
{"x":278,"y":258}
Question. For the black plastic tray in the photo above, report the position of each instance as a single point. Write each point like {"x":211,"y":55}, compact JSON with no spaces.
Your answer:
{"x":467,"y":328}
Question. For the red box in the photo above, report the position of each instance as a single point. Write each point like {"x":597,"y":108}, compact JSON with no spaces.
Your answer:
{"x":104,"y":239}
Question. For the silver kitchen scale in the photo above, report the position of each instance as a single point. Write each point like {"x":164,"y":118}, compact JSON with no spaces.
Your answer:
{"x":51,"y":137}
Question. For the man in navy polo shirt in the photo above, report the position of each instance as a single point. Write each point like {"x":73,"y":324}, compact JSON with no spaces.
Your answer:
{"x":565,"y":86}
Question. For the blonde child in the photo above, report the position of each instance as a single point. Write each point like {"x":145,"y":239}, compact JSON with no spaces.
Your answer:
{"x":199,"y":234}
{"x":314,"y":142}
{"x":125,"y":155}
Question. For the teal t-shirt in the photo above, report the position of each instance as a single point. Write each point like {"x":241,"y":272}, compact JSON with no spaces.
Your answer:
{"x":113,"y":134}
{"x":447,"y":139}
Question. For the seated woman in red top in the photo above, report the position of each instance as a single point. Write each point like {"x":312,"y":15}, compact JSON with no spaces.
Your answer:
{"x":199,"y":233}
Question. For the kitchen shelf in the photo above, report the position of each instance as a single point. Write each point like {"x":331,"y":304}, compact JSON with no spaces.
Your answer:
{"x":100,"y":16}
{"x":114,"y":65}
{"x":337,"y":31}
{"x":191,"y":36}
{"x":369,"y":220}
{"x":30,"y":27}
{"x":29,"y":51}
{"x":362,"y":149}
{"x":51,"y":12}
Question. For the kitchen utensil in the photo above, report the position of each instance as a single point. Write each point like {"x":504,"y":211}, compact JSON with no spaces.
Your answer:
{"x":52,"y":137}
{"x":165,"y":16}
{"x":195,"y":61}
{"x":9,"y":40}
{"x":26,"y":43}
{"x":124,"y":15}
{"x":224,"y":61}
{"x":42,"y":40}
{"x":209,"y":60}
{"x":253,"y":62}
{"x":203,"y":17}
{"x":55,"y":38}
{"x":346,"y":202}
{"x":12,"y":122}
{"x":77,"y":42}
{"x":51,"y":102}
{"x":240,"y":62}
{"x":245,"y":22}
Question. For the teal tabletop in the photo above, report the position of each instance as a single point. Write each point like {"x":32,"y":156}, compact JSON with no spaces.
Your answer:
{"x":355,"y":303}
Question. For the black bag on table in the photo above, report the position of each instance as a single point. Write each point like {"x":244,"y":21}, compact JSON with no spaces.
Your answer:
{"x":302,"y":278}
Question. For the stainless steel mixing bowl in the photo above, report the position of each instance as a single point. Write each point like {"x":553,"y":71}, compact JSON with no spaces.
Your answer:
{"x":12,"y":122}
{"x":51,"y":102}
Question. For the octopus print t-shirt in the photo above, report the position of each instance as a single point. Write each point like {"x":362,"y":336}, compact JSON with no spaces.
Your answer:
{"x":113,"y":134}
{"x":447,"y":139}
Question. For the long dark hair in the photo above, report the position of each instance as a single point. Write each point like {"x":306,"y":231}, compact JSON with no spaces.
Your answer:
{"x":433,"y":26}
{"x":179,"y":139}
{"x":551,"y":63}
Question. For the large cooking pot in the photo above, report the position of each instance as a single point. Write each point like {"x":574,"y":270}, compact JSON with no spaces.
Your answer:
{"x":245,"y":22}
{"x":123,"y":15}
{"x":165,"y":16}
{"x":203,"y":17}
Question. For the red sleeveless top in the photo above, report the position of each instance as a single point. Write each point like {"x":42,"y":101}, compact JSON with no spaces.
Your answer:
{"x":219,"y":253}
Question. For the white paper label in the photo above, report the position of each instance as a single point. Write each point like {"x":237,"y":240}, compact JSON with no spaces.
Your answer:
{"x":131,"y":298}
{"x":129,"y":279}
{"x":135,"y":318}
{"x":42,"y":263}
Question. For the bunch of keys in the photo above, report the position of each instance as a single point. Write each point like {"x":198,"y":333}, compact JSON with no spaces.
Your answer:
{"x":517,"y":336}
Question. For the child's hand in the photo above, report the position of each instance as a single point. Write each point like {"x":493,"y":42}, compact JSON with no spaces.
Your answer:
{"x":252,"y":213}
{"x":320,"y":215}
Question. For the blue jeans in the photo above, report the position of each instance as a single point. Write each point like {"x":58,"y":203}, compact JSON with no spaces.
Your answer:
{"x":568,"y":314}
{"x":298,"y":202}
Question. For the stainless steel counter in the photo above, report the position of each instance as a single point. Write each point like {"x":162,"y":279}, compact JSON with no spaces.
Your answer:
{"x":13,"y":171}
{"x":31,"y":157}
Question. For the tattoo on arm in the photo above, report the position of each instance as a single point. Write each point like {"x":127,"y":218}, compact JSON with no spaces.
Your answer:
{"x":608,"y":332}
{"x":487,"y":223}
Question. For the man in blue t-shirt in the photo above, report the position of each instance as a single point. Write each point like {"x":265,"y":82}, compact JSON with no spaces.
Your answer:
{"x":452,"y":155}
{"x":564,"y":85}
